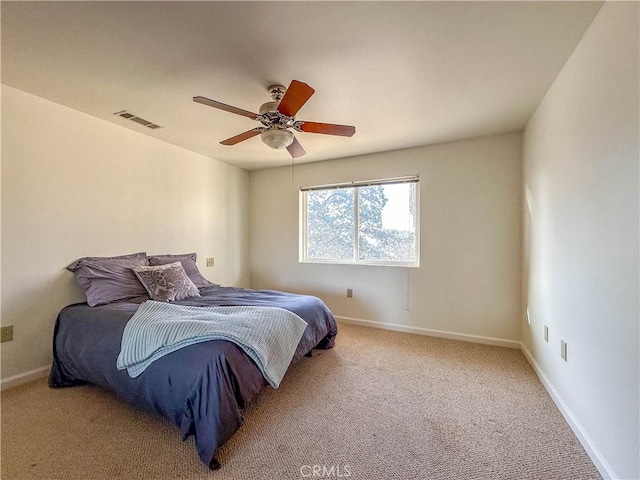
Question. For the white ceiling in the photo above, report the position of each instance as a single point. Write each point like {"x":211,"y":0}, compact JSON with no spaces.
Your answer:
{"x":404,"y":73}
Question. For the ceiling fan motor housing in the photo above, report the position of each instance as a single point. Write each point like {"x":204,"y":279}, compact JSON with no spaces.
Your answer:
{"x":269,"y":107}
{"x":276,"y":134}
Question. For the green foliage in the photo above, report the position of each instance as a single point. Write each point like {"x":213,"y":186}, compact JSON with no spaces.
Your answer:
{"x":331,"y":226}
{"x":376,"y":242}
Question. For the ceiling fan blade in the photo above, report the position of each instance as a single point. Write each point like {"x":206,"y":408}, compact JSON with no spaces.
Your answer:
{"x":295,"y":97}
{"x":242,"y":137}
{"x":327,"y":128}
{"x":295,"y":149}
{"x":225,"y":107}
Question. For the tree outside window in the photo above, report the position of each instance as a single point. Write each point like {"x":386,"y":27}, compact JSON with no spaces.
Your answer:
{"x":372,"y":223}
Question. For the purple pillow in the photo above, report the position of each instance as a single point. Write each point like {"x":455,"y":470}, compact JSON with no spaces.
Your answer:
{"x":166,"y":283}
{"x":188,"y":261}
{"x":109,"y":279}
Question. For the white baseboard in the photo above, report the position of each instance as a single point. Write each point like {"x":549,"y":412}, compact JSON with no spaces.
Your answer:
{"x":500,"y":342}
{"x":596,"y":457}
{"x":24,"y":377}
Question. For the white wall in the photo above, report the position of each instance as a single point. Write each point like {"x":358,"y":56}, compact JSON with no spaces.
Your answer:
{"x":74,"y":185}
{"x":469,"y":279}
{"x":581,"y":236}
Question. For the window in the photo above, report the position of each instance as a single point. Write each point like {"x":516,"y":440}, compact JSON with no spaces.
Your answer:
{"x":375,"y":222}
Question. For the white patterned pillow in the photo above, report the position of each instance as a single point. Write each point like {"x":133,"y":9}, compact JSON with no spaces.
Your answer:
{"x":166,"y":283}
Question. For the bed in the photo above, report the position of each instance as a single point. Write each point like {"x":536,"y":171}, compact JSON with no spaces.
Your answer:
{"x":202,"y":388}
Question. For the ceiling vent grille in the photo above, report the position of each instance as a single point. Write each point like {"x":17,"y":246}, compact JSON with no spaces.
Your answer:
{"x":135,"y":118}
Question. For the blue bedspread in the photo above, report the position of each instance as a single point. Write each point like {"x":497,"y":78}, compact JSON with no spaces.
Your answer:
{"x":268,"y":335}
{"x":201,"y":388}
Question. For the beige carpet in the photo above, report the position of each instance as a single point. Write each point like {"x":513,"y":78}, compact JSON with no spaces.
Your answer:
{"x":381,"y":405}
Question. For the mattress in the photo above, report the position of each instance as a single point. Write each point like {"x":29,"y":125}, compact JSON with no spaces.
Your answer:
{"x":201,"y":388}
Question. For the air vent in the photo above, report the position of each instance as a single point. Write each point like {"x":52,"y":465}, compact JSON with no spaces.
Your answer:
{"x":135,"y":118}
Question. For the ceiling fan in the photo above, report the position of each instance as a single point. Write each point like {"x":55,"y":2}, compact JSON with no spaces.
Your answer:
{"x":278,"y":116}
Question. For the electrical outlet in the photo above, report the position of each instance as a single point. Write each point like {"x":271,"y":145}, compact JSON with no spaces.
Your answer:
{"x":6,"y":333}
{"x":546,"y":334}
{"x":210,"y":262}
{"x":349,"y":292}
{"x":563,"y":350}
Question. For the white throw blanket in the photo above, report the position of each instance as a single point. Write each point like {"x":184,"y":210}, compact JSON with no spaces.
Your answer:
{"x":268,"y":335}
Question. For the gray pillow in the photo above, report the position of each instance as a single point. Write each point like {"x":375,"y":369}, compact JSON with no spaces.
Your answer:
{"x":188,"y":261}
{"x":109,"y":279}
{"x":166,"y":283}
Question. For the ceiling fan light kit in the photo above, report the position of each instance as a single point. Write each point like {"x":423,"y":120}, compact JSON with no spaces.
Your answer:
{"x":278,"y":116}
{"x":277,"y":137}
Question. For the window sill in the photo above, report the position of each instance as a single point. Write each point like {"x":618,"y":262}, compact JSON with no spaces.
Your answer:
{"x":365,"y":264}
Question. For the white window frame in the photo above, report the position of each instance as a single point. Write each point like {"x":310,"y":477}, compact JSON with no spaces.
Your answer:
{"x":303,"y":222}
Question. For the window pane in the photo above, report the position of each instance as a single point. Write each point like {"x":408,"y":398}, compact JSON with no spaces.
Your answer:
{"x":330,"y":224}
{"x":387,"y":219}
